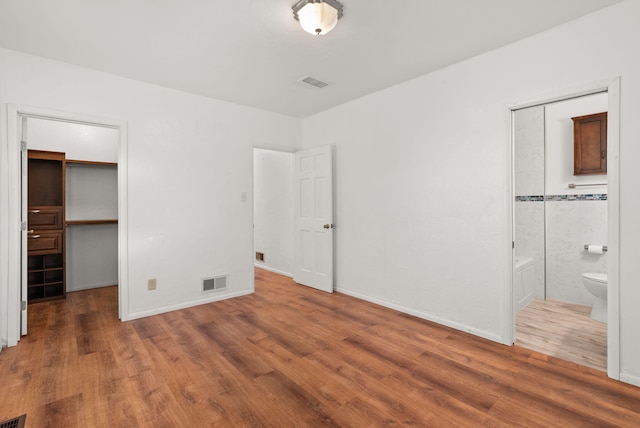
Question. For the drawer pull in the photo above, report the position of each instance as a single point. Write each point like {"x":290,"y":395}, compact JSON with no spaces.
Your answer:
{"x":33,"y":236}
{"x":30,"y":232}
{"x":34,"y":212}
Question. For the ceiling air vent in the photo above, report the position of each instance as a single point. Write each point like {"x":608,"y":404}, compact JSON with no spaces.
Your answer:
{"x":314,"y":82}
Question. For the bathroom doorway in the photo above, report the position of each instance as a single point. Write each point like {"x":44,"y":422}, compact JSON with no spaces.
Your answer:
{"x":557,"y":216}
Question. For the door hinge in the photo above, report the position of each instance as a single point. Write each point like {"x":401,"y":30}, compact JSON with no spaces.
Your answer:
{"x":23,"y":305}
{"x":23,"y":226}
{"x":513,"y":244}
{"x":23,"y":146}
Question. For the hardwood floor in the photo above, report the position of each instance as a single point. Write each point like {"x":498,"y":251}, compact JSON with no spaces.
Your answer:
{"x":287,"y":356}
{"x":563,"y":330}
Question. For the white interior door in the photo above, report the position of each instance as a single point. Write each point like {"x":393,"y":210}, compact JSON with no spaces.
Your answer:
{"x":313,"y":200}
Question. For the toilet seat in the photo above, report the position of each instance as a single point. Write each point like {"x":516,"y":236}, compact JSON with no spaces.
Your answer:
{"x":596,"y":277}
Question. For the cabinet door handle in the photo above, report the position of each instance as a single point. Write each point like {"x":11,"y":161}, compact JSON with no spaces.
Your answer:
{"x":30,"y":232}
{"x":34,"y":211}
{"x":33,"y":236}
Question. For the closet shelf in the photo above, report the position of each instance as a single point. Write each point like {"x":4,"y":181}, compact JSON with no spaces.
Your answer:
{"x":71,"y":162}
{"x":89,"y":222}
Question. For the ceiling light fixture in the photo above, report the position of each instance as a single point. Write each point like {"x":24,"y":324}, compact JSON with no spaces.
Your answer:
{"x":317,"y":16}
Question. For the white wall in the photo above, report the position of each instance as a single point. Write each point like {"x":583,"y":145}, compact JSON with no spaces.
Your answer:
{"x":91,"y":250}
{"x":423,"y":177}
{"x":92,"y":256}
{"x":189,"y":160}
{"x":78,"y":141}
{"x":4,"y":227}
{"x":91,"y":192}
{"x":273,"y":209}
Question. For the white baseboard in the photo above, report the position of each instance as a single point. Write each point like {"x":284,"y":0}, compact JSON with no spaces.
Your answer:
{"x":423,"y":315}
{"x":633,"y":379}
{"x":270,"y":269}
{"x":190,"y":304}
{"x":91,"y":286}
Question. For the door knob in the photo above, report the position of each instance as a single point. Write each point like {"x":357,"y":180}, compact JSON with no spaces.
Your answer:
{"x":328,"y":226}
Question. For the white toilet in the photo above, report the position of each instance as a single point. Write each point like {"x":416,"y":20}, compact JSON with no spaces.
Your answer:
{"x":596,"y":283}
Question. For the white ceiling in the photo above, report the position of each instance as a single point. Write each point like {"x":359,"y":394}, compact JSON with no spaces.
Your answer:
{"x":253,"y":52}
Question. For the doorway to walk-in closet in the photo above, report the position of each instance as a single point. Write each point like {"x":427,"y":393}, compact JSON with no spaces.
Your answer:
{"x":70,"y":207}
{"x":561,"y":229}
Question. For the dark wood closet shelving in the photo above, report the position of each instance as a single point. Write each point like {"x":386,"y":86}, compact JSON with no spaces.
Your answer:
{"x":90,"y":222}
{"x":45,"y":277}
{"x":45,"y":231}
{"x":72,"y":162}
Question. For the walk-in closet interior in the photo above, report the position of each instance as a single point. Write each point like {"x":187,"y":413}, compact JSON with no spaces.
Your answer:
{"x":71,"y":207}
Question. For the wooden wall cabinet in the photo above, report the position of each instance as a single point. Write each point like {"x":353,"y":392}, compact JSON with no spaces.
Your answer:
{"x":590,"y":144}
{"x":45,"y":226}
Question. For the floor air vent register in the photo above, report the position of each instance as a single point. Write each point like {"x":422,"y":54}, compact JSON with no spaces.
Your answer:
{"x":14,"y":423}
{"x":215,"y":283}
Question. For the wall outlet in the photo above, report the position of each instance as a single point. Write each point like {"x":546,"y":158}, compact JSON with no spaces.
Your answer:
{"x":151,"y":284}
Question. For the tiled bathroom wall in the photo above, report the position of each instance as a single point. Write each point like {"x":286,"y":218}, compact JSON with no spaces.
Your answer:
{"x":570,"y":225}
{"x":529,"y":191}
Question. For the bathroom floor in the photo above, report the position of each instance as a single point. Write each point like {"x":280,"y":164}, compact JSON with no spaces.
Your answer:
{"x":563,"y":330}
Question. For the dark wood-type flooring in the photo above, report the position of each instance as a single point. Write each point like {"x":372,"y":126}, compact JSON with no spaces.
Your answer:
{"x":287,"y":356}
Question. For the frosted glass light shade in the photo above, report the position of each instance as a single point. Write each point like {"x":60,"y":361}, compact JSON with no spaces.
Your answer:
{"x":317,"y":17}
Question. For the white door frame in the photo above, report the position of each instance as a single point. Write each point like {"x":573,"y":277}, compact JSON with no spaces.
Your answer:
{"x":15,"y":254}
{"x":612,"y":88}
